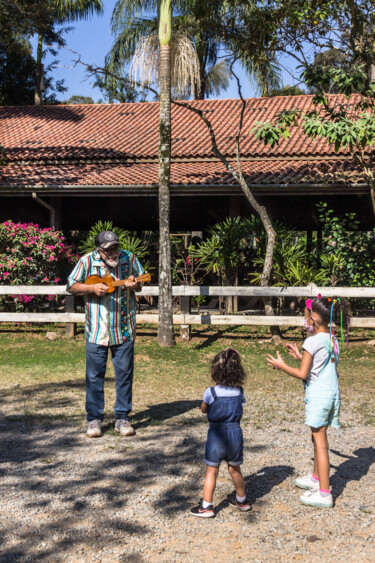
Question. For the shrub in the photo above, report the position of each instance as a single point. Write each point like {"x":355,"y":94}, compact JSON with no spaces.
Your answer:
{"x":30,"y":255}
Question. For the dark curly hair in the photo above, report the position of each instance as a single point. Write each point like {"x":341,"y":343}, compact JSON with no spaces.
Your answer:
{"x":227,"y":370}
{"x":323,"y":305}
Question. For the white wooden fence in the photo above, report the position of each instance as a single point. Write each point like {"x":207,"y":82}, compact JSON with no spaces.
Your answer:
{"x":190,"y":291}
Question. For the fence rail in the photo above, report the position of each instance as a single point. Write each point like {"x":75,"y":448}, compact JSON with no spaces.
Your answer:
{"x":70,"y":317}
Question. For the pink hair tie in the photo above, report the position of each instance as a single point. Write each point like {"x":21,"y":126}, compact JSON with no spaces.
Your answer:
{"x":308,"y":302}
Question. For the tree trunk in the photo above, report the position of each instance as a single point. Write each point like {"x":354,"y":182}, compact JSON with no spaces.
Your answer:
{"x":38,"y":100}
{"x":165,"y":329}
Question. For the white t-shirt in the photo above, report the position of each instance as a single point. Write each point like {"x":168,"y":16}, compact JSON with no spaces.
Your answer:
{"x":314,"y":346}
{"x":222,"y":391}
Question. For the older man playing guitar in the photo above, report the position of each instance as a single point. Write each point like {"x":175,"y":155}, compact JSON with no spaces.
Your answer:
{"x":108,"y":278}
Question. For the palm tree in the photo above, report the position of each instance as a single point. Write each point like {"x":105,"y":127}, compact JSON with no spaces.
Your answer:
{"x":160,"y":59}
{"x":165,"y":327}
{"x":202,"y":22}
{"x":51,"y":13}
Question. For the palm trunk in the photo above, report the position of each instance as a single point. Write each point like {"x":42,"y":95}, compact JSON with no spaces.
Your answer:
{"x":38,"y":100}
{"x":165,"y":330}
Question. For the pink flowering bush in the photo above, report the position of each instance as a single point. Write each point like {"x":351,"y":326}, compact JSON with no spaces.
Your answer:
{"x":31,"y":255}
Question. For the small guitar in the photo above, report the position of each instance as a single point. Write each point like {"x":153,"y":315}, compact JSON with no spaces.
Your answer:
{"x":112,"y":283}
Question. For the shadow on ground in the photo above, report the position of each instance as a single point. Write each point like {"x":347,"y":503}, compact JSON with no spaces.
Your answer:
{"x":162,"y":412}
{"x":353,"y":469}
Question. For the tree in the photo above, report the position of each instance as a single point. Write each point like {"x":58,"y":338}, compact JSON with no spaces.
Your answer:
{"x":122,"y":91}
{"x":204,"y":22}
{"x":52,"y":13}
{"x":346,"y":122}
{"x":17,"y":73}
{"x":79,"y":100}
{"x":168,"y":62}
{"x":165,"y":327}
{"x":287,"y":90}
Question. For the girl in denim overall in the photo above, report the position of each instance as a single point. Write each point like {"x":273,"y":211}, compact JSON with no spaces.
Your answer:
{"x":223,"y":406}
{"x":318,"y":371}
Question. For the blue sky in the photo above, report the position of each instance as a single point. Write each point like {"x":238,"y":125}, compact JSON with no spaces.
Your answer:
{"x":93,"y":39}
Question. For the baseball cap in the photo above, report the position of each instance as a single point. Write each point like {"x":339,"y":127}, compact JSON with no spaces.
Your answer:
{"x":105,"y":239}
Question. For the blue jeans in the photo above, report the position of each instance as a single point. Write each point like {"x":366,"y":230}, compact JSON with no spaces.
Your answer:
{"x":96,"y":362}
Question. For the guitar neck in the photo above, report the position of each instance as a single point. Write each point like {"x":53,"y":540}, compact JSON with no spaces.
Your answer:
{"x":117,"y":283}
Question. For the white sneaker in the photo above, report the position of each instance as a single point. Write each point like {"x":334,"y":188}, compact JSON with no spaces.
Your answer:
{"x":124,"y":427}
{"x":306,"y":482}
{"x":94,"y":428}
{"x":314,"y":498}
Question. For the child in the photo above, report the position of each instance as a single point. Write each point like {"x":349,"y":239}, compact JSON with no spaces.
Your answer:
{"x":223,"y":405}
{"x":318,"y":370}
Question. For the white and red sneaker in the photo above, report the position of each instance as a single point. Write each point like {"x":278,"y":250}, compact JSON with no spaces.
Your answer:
{"x":203,"y":512}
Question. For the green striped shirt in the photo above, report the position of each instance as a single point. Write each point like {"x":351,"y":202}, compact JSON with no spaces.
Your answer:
{"x":110,"y":319}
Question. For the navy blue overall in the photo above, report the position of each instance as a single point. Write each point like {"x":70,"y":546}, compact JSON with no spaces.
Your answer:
{"x":224,"y":438}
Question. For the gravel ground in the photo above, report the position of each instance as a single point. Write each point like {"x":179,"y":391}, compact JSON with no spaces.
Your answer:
{"x":65,"y":497}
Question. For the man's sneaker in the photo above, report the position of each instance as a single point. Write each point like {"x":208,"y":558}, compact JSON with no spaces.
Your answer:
{"x":94,"y":428}
{"x":244,"y":506}
{"x":203,"y":512}
{"x":307,"y":482}
{"x":314,"y":498}
{"x":124,"y":427}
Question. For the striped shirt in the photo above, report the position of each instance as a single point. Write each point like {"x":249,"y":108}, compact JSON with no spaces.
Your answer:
{"x":110,"y":319}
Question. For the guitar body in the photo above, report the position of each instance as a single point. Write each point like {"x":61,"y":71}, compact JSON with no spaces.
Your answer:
{"x":107,"y":280}
{"x":112,"y":283}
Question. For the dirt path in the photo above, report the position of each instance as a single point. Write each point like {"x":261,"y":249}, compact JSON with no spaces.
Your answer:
{"x":67,"y":498}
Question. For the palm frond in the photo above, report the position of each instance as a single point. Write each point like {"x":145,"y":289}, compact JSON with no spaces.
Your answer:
{"x":72,"y":10}
{"x":217,"y":78}
{"x":184,"y":63}
{"x":126,"y":42}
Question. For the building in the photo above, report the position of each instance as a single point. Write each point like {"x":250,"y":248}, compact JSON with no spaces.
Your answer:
{"x":72,"y":165}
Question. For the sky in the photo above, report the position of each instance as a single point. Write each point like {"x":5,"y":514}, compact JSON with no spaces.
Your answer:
{"x":92,"y":39}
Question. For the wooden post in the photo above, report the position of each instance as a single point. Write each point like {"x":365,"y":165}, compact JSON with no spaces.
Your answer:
{"x":70,"y":328}
{"x":185,"y":306}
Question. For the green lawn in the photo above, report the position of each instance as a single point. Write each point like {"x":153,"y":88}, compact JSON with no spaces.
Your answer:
{"x":43,"y":379}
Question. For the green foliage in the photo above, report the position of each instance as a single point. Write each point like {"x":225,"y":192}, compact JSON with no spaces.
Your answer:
{"x":79,"y":100}
{"x":347,"y":251}
{"x":211,"y":25}
{"x":119,"y":90}
{"x":128,"y":241}
{"x":291,"y":265}
{"x":232,"y":243}
{"x":30,"y":255}
{"x":287,"y":90}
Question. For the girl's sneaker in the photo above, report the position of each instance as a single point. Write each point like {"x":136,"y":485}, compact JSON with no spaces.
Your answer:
{"x":314,"y":498}
{"x":203,"y":512}
{"x":307,"y":482}
{"x":244,"y":506}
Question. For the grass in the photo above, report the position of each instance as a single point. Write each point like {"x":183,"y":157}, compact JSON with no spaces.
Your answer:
{"x":43,"y":380}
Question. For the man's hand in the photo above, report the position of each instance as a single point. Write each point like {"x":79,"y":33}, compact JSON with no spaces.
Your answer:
{"x":99,"y":289}
{"x":131,"y":284}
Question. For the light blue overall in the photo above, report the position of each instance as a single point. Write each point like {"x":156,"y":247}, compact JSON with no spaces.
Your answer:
{"x":322,"y":396}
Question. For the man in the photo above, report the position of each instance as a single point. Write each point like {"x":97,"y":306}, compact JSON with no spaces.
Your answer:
{"x":110,"y":324}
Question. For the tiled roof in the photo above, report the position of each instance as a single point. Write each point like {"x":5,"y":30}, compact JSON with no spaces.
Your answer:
{"x":182,"y":173}
{"x":116,"y":144}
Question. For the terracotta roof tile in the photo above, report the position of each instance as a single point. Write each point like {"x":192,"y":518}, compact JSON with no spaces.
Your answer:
{"x":116,"y":144}
{"x":126,"y":131}
{"x":182,"y":173}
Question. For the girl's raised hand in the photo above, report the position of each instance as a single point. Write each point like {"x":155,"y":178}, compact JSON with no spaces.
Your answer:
{"x":294,"y":351}
{"x":277,"y":363}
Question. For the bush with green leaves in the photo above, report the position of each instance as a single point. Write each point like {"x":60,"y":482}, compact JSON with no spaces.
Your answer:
{"x":31,"y":255}
{"x":128,"y":241}
{"x":230,"y":245}
{"x":347,"y":250}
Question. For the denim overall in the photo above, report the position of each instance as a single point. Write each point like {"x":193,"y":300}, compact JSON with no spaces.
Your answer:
{"x":322,"y":396}
{"x":224,"y":438}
